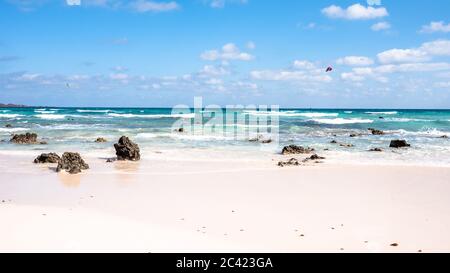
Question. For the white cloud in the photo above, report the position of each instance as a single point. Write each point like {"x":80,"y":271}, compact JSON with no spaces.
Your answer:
{"x":355,"y":12}
{"x":73,"y":2}
{"x":228,"y":52}
{"x":221,"y":3}
{"x":355,"y":61}
{"x":415,"y":55}
{"x":151,"y":6}
{"x":402,"y":56}
{"x":352,"y":77}
{"x":286,"y":75}
{"x":436,"y":27}
{"x":210,"y":70}
{"x":381,"y":26}
{"x":306,"y":65}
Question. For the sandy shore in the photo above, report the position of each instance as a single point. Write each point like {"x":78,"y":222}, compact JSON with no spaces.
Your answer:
{"x":233,"y":206}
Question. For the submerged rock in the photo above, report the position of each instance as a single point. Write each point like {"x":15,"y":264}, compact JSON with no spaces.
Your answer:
{"x":127,"y":150}
{"x":376,"y":150}
{"x":290,"y":162}
{"x":28,"y":138}
{"x":399,"y":144}
{"x":376,"y":132}
{"x":346,"y":145}
{"x":47,"y":158}
{"x":8,"y":126}
{"x":72,"y":163}
{"x":101,"y":140}
{"x":293,"y":149}
{"x":444,"y":136}
{"x":180,"y":130}
{"x":356,"y":135}
{"x":334,"y":142}
{"x":316,"y":157}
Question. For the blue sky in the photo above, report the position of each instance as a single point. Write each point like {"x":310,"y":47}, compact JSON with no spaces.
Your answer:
{"x":385,"y":54}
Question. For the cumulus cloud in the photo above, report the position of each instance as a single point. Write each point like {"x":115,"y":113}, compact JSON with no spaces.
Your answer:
{"x":374,"y":2}
{"x":222,"y":3}
{"x":381,"y":26}
{"x":415,"y":55}
{"x":228,"y":52}
{"x":436,"y":27}
{"x":151,"y":6}
{"x":306,"y":65}
{"x":287,"y":75}
{"x":355,"y":61}
{"x":355,"y":12}
{"x":73,"y":2}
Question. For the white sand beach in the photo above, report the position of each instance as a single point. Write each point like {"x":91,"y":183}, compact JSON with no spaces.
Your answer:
{"x":164,"y":205}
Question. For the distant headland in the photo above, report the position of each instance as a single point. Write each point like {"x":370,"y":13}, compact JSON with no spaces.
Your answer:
{"x":11,"y":105}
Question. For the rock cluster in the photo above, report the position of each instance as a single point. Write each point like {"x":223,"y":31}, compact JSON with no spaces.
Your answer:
{"x":47,"y":158}
{"x":293,"y":149}
{"x":376,"y":150}
{"x":376,"y":132}
{"x":290,"y":162}
{"x":127,"y":149}
{"x":101,"y":140}
{"x":28,"y":138}
{"x":72,"y":163}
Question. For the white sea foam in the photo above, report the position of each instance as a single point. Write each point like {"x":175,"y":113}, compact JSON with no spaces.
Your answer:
{"x":339,"y":121}
{"x":186,"y":116}
{"x":407,"y":120}
{"x":93,"y":111}
{"x":50,"y":116}
{"x":348,"y":112}
{"x":290,"y":114}
{"x":184,"y":136}
{"x":44,"y":112}
{"x":8,"y":130}
{"x":424,"y":133}
{"x":9,"y":115}
{"x":383,"y":113}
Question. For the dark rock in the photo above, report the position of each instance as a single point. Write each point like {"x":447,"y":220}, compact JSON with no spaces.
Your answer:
{"x":72,"y":163}
{"x":334,"y":142}
{"x":127,"y":150}
{"x":376,"y":150}
{"x":394,"y":245}
{"x":267,"y":141}
{"x":355,"y":135}
{"x":445,"y":136}
{"x":346,"y":145}
{"x":111,"y":160}
{"x":28,"y":138}
{"x":399,"y":144}
{"x":376,"y":132}
{"x":381,"y":117}
{"x":180,"y":130}
{"x":290,"y":162}
{"x":47,"y":158}
{"x":43,"y":142}
{"x":101,"y":140}
{"x":316,"y":157}
{"x":293,"y":149}
{"x":8,"y":126}
{"x":260,"y":139}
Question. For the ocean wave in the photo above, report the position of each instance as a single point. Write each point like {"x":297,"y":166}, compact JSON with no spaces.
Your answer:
{"x":184,"y":136}
{"x":50,"y":116}
{"x":407,"y":120}
{"x":339,"y":121}
{"x":383,"y":113}
{"x":10,"y":115}
{"x":348,"y":112}
{"x":186,"y":116}
{"x":290,"y":114}
{"x":10,"y":130}
{"x":44,"y":112}
{"x":93,"y":111}
{"x":424,"y":133}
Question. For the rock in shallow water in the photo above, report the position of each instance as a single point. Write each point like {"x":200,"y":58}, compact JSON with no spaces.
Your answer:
{"x":28,"y":138}
{"x":399,"y":144}
{"x":72,"y":163}
{"x":8,"y":126}
{"x":376,"y":150}
{"x":127,"y":150}
{"x":47,"y":158}
{"x":293,"y":149}
{"x":101,"y":140}
{"x":290,"y":162}
{"x":376,"y":132}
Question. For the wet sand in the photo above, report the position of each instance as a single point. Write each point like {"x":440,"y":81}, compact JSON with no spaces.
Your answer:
{"x":233,"y":206}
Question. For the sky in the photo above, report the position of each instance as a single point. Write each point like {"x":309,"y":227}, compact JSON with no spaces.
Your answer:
{"x":150,"y":53}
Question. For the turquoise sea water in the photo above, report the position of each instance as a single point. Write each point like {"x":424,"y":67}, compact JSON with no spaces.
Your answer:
{"x":77,"y":128}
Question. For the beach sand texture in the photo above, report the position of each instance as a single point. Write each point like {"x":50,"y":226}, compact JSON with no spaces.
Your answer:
{"x":165,"y":205}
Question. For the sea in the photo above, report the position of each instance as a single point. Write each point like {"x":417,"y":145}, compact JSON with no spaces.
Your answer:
{"x":155,"y":130}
